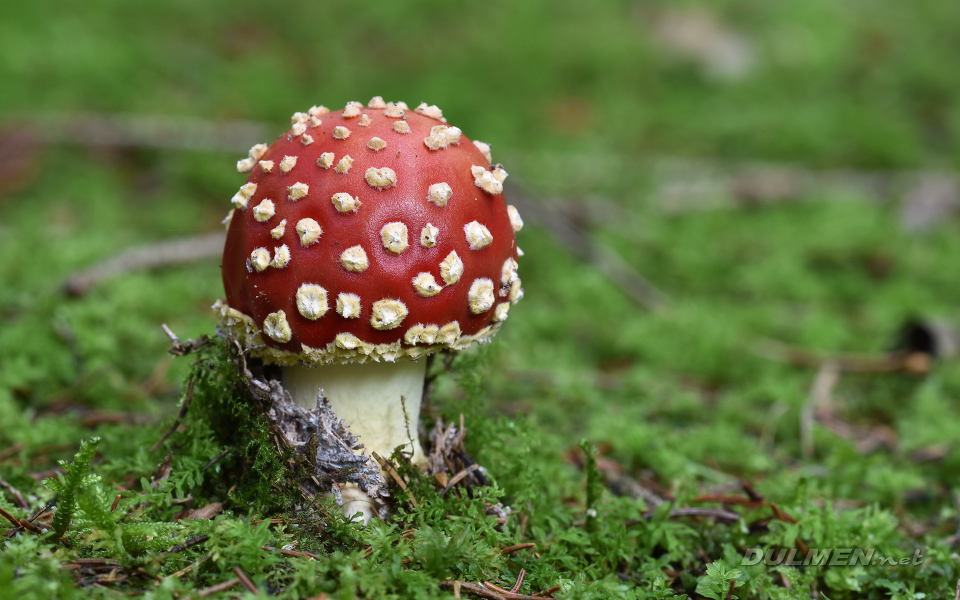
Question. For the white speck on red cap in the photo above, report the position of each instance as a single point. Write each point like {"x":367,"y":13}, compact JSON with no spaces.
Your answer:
{"x":478,"y":236}
{"x":343,"y":167}
{"x":326,"y":160}
{"x":312,"y":301}
{"x":245,"y":165}
{"x":264,"y":211}
{"x":266,"y":166}
{"x":394,"y":111}
{"x":428,"y":236}
{"x":381,"y":178}
{"x":297,"y":191}
{"x":288,"y":163}
{"x":340,"y":132}
{"x":480,"y":297}
{"x":394,"y":236}
{"x":429,"y":334}
{"x":451,"y":269}
{"x":348,"y":306}
{"x":260,"y":259}
{"x":430,"y":111}
{"x":316,"y":111}
{"x":376,"y":102}
{"x":412,"y":336}
{"x":309,"y":231}
{"x":240,"y":199}
{"x":516,"y":292}
{"x":281,"y":257}
{"x":439,"y":193}
{"x":277,"y":232}
{"x":449,"y":333}
{"x":388,"y":314}
{"x":500,"y":313}
{"x":484,"y":148}
{"x":306,"y":139}
{"x":345,"y":203}
{"x":508,"y":274}
{"x":376,"y":144}
{"x":426,"y":285}
{"x":351,"y":111}
{"x":515,"y":221}
{"x":253,"y":155}
{"x":257,"y":151}
{"x":354,"y":259}
{"x":364,"y":120}
{"x":486,"y":181}
{"x":401,"y":127}
{"x":277,"y":328}
{"x":442,"y":136}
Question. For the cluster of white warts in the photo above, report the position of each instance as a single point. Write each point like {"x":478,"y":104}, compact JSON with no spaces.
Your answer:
{"x":387,"y":313}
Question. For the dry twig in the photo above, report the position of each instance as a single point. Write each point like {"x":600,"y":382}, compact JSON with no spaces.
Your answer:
{"x":820,"y":399}
{"x":9,"y":517}
{"x":574,"y":237}
{"x":296,"y":553}
{"x":15,"y":493}
{"x":178,"y":348}
{"x":247,"y":583}
{"x":162,"y":254}
{"x":911,"y":362}
{"x":515,"y":547}
{"x":459,"y":477}
{"x":216,"y":459}
{"x":176,"y":423}
{"x":386,"y":466}
{"x":188,"y":568}
{"x":187,"y":544}
{"x":716,"y":513}
{"x":484,"y":592}
{"x":213,"y":589}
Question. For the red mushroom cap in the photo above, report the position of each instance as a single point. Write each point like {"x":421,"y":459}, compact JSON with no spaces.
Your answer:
{"x":373,"y":232}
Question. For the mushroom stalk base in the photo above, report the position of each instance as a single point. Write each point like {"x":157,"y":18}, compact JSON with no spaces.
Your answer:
{"x":368,"y":398}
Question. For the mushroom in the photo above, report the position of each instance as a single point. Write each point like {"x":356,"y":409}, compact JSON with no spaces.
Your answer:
{"x":408,"y":251}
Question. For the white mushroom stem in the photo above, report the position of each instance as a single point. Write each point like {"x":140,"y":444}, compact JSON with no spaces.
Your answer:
{"x":379,"y":402}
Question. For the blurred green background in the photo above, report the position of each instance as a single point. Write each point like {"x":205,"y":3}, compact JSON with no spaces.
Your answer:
{"x":781,"y":170}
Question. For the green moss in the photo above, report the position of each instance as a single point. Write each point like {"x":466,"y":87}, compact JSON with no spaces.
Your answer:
{"x":580,"y":101}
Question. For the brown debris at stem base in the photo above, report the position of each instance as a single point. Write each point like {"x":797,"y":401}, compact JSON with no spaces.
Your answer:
{"x":325,"y":455}
{"x":178,"y":348}
{"x":324,"y":452}
{"x":325,"y":442}
{"x":389,"y":468}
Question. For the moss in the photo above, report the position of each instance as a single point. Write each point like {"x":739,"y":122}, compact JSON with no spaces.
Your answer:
{"x":588,"y":104}
{"x":223,"y":408}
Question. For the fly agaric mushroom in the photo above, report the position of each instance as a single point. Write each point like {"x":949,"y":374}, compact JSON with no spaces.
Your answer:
{"x":347,"y":276}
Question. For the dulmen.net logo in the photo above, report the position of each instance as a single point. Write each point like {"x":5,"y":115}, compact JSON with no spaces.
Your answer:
{"x":826,"y":557}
